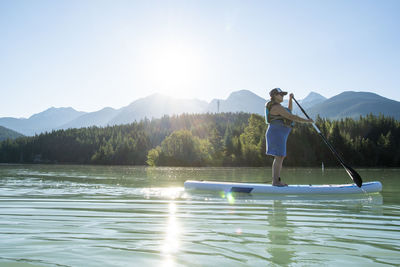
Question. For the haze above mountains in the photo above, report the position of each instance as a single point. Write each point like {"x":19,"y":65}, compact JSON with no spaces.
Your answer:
{"x":347,"y":104}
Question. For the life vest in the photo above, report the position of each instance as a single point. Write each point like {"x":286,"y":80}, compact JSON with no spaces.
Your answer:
{"x":270,"y":118}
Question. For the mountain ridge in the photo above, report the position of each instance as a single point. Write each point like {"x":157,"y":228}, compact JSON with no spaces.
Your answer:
{"x":46,"y":120}
{"x":346,"y":104}
{"x":343,"y":105}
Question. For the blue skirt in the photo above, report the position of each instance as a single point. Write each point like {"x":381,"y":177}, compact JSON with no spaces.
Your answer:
{"x":276,"y":137}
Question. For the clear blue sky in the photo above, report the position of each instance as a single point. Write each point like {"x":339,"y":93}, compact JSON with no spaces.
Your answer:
{"x":93,"y":54}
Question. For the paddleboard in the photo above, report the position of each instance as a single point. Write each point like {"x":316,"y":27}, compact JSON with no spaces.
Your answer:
{"x":254,"y":188}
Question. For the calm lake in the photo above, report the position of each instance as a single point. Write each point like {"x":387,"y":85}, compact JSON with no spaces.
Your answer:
{"x":68,"y":215}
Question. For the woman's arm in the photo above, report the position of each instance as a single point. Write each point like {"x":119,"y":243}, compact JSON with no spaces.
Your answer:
{"x":278,"y":109}
{"x":290,"y":106}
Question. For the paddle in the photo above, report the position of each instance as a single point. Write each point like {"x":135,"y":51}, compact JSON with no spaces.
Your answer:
{"x":353,"y":174}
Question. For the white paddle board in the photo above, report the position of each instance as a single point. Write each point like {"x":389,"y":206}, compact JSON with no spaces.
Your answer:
{"x":254,"y":188}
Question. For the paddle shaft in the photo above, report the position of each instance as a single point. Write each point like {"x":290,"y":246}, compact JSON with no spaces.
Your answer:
{"x":320,"y":133}
{"x":353,"y":174}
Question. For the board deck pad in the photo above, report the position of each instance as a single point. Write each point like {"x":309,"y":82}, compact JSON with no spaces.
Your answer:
{"x":241,"y":189}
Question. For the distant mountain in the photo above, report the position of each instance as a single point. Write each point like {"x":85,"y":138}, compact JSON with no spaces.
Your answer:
{"x":243,"y":100}
{"x":6,"y":133}
{"x":308,"y":102}
{"x":47,"y":120}
{"x":156,"y":106}
{"x":98,"y":118}
{"x":311,"y":100}
{"x":353,"y":104}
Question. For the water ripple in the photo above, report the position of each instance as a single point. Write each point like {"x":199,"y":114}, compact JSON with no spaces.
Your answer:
{"x":66,"y":221}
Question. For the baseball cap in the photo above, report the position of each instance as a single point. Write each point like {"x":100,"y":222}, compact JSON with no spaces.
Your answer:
{"x":276,"y":91}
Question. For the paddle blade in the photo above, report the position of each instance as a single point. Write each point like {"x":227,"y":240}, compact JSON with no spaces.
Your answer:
{"x":354,"y":175}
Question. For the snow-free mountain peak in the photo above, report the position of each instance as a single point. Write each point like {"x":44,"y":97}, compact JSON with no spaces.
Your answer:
{"x":313,"y":96}
{"x":54,"y":112}
{"x":310,"y":100}
{"x":239,"y":101}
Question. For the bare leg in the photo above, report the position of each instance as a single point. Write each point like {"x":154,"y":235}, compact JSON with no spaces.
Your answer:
{"x":276,"y":170}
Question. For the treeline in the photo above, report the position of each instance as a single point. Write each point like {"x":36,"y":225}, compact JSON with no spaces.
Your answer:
{"x":225,"y":139}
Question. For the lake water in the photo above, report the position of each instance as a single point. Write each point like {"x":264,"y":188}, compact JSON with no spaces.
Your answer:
{"x":60,"y":215}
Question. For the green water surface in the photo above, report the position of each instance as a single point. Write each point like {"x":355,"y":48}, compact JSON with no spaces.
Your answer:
{"x":61,"y":215}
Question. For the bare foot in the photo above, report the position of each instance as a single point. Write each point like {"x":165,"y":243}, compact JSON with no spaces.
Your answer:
{"x":280,"y":184}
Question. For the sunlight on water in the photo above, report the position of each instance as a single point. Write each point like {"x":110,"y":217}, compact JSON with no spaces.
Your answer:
{"x":168,"y":193}
{"x":171,"y":242}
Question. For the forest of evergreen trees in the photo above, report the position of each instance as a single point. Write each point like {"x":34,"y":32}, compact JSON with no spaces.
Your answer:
{"x":225,"y":139}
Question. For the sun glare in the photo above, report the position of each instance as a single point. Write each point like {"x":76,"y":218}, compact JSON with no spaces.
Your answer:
{"x":171,"y":242}
{"x":175,"y":68}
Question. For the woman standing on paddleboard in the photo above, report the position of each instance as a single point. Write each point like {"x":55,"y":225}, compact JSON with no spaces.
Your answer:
{"x":280,"y":121}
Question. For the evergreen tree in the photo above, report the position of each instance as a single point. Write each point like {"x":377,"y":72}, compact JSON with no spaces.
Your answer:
{"x":227,"y":139}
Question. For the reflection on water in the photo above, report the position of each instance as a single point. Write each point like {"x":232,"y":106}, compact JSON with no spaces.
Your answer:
{"x":278,"y":235}
{"x":171,"y":241}
{"x":121,"y":216}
